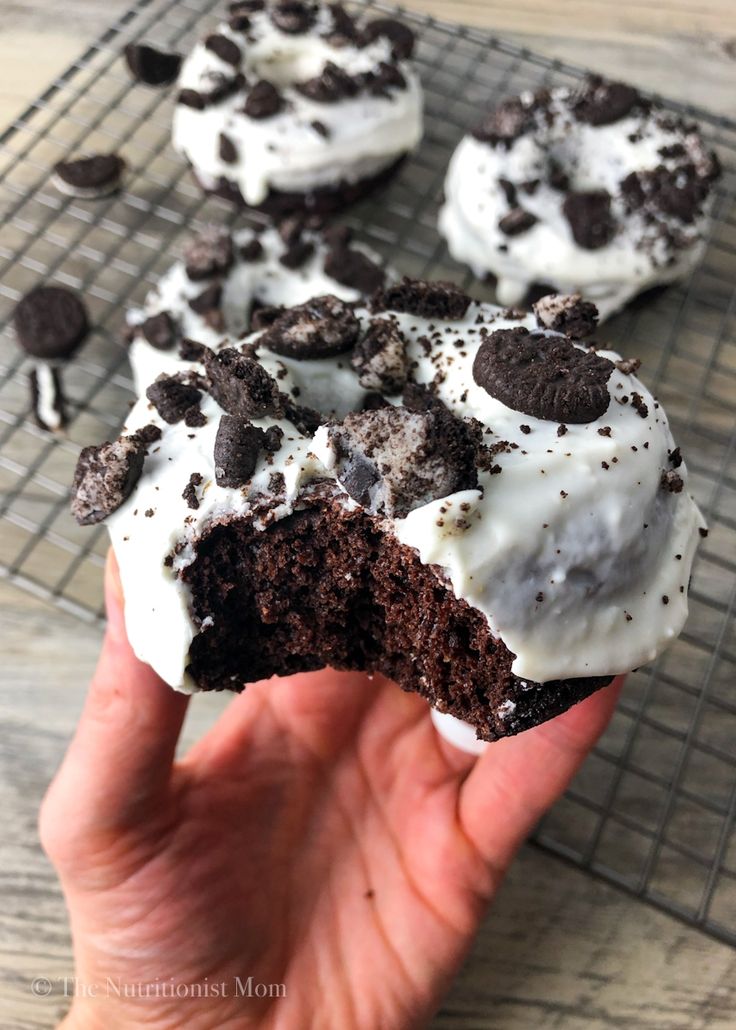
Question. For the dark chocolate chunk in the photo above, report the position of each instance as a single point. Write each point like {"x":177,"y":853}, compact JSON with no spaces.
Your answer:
{"x":191,"y":98}
{"x":355,"y":269}
{"x":297,"y":254}
{"x":671,"y":481}
{"x":400,"y":36}
{"x":252,"y":250}
{"x":105,"y":477}
{"x":150,"y":66}
{"x":517,"y":221}
{"x":380,"y":358}
{"x":293,"y":16}
{"x":543,"y":376}
{"x":227,"y":150}
{"x":172,"y":398}
{"x":241,"y":385}
{"x":209,"y":253}
{"x":207,"y":301}
{"x":510,"y":120}
{"x":589,"y":215}
{"x":601,"y":102}
{"x":330,"y":86}
{"x":50,"y":323}
{"x":441,"y":300}
{"x":393,"y":460}
{"x":237,"y":446}
{"x":160,"y":331}
{"x":567,"y":314}
{"x":87,"y":177}
{"x":322,"y":327}
{"x":41,"y":404}
{"x":224,"y":48}
{"x":263,"y":101}
{"x":190,"y":490}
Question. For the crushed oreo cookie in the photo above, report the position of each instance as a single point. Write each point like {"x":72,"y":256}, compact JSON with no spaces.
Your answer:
{"x":546,"y":377}
{"x":353,"y":268}
{"x":238,"y":444}
{"x":505,"y":124}
{"x":567,"y":314}
{"x":517,"y":221}
{"x":293,"y":16}
{"x":105,"y":477}
{"x":207,"y":301}
{"x":393,"y":460}
{"x":227,"y":150}
{"x":671,"y":481}
{"x":190,"y":490}
{"x":602,"y":103}
{"x":589,"y":216}
{"x":160,"y":330}
{"x":380,"y":358}
{"x":675,"y":192}
{"x":150,"y":66}
{"x":629,"y":366}
{"x":241,"y":385}
{"x":209,"y":253}
{"x":441,"y":300}
{"x":190,"y":350}
{"x":91,"y":177}
{"x":263,"y":101}
{"x":252,"y":250}
{"x":400,"y":36}
{"x":330,"y":86}
{"x":173,"y":398}
{"x":298,"y":254}
{"x":224,"y":48}
{"x":321,"y":328}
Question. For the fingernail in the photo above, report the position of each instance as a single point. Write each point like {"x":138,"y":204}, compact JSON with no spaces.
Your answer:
{"x":114,"y":602}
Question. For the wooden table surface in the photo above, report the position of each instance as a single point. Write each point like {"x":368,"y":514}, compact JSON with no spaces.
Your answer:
{"x":560,"y":949}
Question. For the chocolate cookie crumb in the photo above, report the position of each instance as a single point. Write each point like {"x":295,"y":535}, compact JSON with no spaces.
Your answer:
{"x":190,"y":491}
{"x":224,"y":48}
{"x":208,"y":254}
{"x":380,"y":358}
{"x":671,"y":481}
{"x":567,"y":314}
{"x":441,"y":300}
{"x":172,"y":398}
{"x":150,"y":66}
{"x":227,"y":150}
{"x":263,"y":101}
{"x":160,"y":331}
{"x":237,"y":446}
{"x":105,"y":477}
{"x":400,"y":36}
{"x":321,"y":328}
{"x":588,"y":213}
{"x":517,"y":221}
{"x":241,"y":385}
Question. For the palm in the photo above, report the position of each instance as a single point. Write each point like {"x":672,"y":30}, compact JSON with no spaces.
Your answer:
{"x":320,"y":836}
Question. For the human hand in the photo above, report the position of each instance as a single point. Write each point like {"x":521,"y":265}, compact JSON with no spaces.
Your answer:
{"x":321,"y":836}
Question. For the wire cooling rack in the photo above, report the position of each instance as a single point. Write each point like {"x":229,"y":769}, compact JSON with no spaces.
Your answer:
{"x":653,"y":807}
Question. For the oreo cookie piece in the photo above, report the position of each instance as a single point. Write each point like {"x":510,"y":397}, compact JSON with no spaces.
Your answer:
{"x":172,"y":398}
{"x":517,"y":221}
{"x":237,"y":447}
{"x":330,"y":86}
{"x":392,"y":460}
{"x":293,"y":17}
{"x":546,"y":377}
{"x":104,"y":478}
{"x":161,"y":331}
{"x":506,"y":123}
{"x":209,"y":253}
{"x":400,"y":36}
{"x":48,"y":402}
{"x":602,"y":103}
{"x":150,"y":66}
{"x":441,"y":300}
{"x":241,"y":385}
{"x":91,"y":177}
{"x":588,"y":213}
{"x":321,"y":328}
{"x":355,"y":269}
{"x":570,"y":315}
{"x":227,"y":150}
{"x":263,"y":101}
{"x":380,"y":358}
{"x":224,"y":48}
{"x":50,"y":323}
{"x":207,"y":303}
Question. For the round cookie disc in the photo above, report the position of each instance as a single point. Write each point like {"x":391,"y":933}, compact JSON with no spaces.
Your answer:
{"x":50,"y":323}
{"x":97,"y":175}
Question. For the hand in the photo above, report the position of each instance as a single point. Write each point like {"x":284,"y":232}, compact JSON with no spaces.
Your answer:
{"x":321,"y":837}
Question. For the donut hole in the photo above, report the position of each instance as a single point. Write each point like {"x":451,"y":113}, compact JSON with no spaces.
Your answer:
{"x":290,"y":64}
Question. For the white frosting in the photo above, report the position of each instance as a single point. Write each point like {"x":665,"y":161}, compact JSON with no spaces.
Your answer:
{"x":265,"y":280}
{"x":569,"y":561}
{"x":365,"y":133}
{"x":595,"y":157}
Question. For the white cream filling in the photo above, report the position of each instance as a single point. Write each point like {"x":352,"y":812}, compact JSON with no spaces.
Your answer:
{"x":365,"y":133}
{"x":46,"y":408}
{"x":602,"y":547}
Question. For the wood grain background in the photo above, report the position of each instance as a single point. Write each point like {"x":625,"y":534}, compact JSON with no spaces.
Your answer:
{"x":560,"y":948}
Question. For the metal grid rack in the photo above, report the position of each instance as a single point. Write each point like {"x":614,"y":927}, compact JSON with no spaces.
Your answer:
{"x":653,"y":808}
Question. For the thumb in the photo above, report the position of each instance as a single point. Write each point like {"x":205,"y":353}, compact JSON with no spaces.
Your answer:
{"x":122,"y":754}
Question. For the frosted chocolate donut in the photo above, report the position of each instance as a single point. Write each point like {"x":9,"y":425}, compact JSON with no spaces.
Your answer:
{"x":227,"y":283}
{"x":501,"y":527}
{"x":592,"y":190}
{"x":297,"y":105}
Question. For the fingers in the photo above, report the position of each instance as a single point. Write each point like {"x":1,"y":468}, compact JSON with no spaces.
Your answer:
{"x":516,"y":780}
{"x":121,"y":756}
